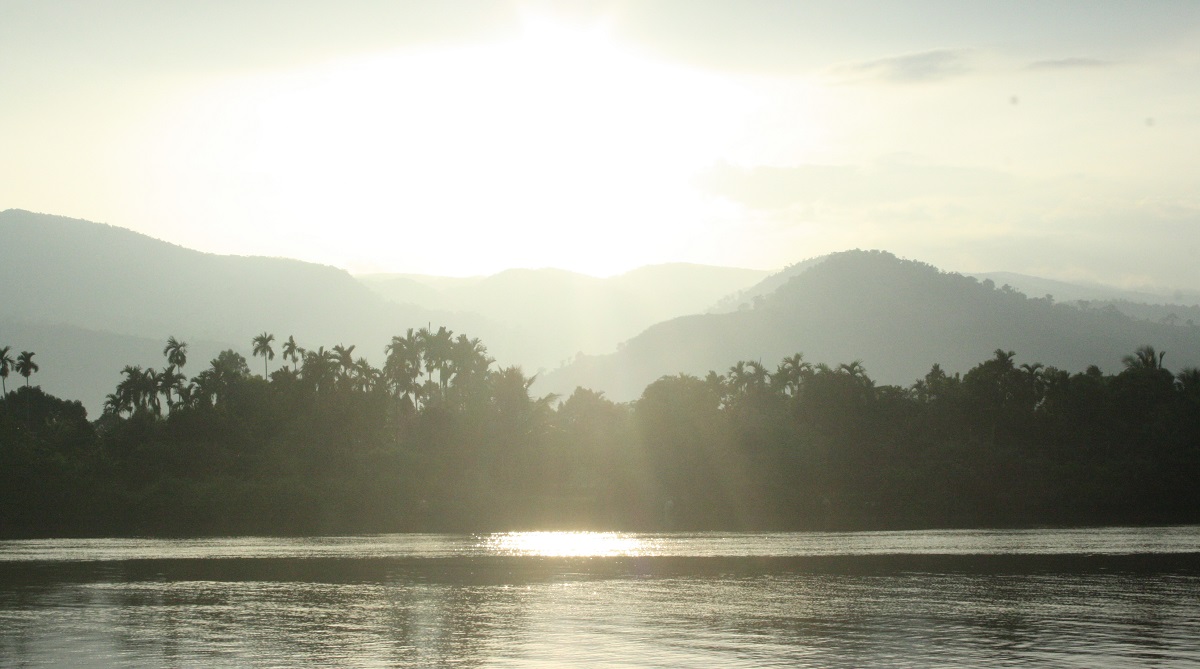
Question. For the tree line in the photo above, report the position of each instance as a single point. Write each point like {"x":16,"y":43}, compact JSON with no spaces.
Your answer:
{"x":439,"y":438}
{"x":23,"y":364}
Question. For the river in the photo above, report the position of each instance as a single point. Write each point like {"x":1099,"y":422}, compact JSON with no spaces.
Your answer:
{"x":966,"y":598}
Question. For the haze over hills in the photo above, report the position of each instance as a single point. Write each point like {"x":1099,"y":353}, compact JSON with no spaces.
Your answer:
{"x":559,"y":314}
{"x":1064,"y":291}
{"x":1171,"y":307}
{"x":91,"y":298}
{"x":898,"y":317}
{"x":108,"y":278}
{"x":752,"y":295}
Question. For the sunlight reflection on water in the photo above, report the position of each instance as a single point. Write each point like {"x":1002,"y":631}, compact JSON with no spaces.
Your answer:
{"x":1098,"y":541}
{"x":971,"y":598}
{"x":567,"y":544}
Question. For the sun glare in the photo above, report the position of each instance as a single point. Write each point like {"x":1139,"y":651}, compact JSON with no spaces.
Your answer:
{"x":559,"y":146}
{"x":565,"y":544}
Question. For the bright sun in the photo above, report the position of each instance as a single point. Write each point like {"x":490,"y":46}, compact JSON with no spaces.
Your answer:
{"x":558,"y":147}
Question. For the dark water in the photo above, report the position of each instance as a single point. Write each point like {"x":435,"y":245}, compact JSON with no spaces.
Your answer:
{"x":1084,"y":598}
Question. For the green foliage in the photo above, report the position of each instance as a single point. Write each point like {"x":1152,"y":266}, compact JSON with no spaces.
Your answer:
{"x":438,"y":439}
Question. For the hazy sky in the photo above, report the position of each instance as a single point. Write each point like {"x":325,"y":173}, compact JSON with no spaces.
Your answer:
{"x":1053,"y":138}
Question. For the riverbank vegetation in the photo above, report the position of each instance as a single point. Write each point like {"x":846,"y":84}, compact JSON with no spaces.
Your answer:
{"x":441,"y":439}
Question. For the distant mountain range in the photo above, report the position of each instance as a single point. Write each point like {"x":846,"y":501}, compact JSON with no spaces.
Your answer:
{"x":1064,"y":291}
{"x":558,"y":314}
{"x":898,"y":317}
{"x":90,"y":298}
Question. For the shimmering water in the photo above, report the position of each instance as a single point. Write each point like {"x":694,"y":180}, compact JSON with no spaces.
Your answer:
{"x":1081,"y":598}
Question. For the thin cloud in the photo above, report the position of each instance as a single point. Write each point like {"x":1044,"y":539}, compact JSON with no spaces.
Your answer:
{"x":1070,"y":64}
{"x":923,"y":67}
{"x":775,"y":188}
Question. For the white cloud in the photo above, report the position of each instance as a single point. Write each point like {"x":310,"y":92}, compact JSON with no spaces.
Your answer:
{"x":912,"y":68}
{"x":1076,"y":63}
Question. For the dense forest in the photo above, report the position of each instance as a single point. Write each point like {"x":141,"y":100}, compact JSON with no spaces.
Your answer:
{"x":439,"y":439}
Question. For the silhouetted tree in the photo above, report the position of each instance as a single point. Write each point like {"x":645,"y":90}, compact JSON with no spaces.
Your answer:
{"x":291,"y":351}
{"x":176,"y":352}
{"x":324,"y":448}
{"x":437,"y":349}
{"x":364,"y":376}
{"x":262,"y":346}
{"x":213,"y":385}
{"x":1144,"y":358}
{"x":170,"y":384}
{"x":469,"y":360}
{"x":6,"y":363}
{"x":790,"y":375}
{"x":319,"y":369}
{"x":403,"y":365}
{"x":26,"y":367}
{"x":343,"y":358}
{"x":133,"y":392}
{"x":996,"y":387}
{"x":152,"y":380}
{"x":1188,"y":380}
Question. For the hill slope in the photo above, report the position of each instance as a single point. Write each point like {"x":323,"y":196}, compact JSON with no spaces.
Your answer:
{"x":897,"y":316}
{"x":72,"y":283}
{"x":559,"y":313}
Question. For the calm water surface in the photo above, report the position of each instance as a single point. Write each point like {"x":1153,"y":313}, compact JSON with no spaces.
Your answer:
{"x":1078,"y":598}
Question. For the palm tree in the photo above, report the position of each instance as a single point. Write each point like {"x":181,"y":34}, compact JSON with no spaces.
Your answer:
{"x":1144,"y":358}
{"x":343,"y":358}
{"x":176,"y":352}
{"x":151,"y":382}
{"x":131,"y":391}
{"x":365,"y":376}
{"x":719,"y":387}
{"x":403,"y":364}
{"x":1034,"y":376}
{"x":291,"y":351}
{"x":317,"y":368}
{"x":26,"y":366}
{"x":756,"y":375}
{"x":204,"y":388}
{"x":510,"y":389}
{"x":115,"y":404}
{"x":1188,"y":381}
{"x":6,"y":363}
{"x":437,"y":353}
{"x":262,"y":346}
{"x":856,"y":371}
{"x":856,"y":374}
{"x":739,"y":378}
{"x":468,"y":359}
{"x":170,"y":381}
{"x":791,"y":373}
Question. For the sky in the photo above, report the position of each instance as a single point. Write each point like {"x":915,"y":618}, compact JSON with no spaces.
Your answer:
{"x":1054,"y":138}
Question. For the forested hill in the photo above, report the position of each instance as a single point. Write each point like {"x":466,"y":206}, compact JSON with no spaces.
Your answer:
{"x":898,"y":317}
{"x":90,"y":298}
{"x":107,"y":278}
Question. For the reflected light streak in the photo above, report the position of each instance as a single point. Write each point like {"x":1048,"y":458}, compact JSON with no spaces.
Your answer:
{"x":565,"y":544}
